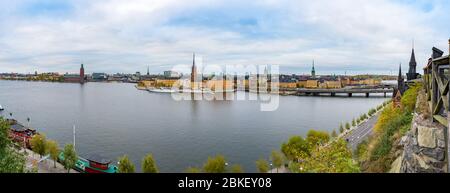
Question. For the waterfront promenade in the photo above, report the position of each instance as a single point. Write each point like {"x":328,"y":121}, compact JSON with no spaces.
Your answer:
{"x":45,"y":166}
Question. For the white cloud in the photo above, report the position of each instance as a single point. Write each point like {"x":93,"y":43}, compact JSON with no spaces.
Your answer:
{"x":115,"y":35}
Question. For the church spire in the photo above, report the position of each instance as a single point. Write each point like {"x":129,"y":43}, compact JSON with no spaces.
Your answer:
{"x":411,"y":75}
{"x":400,"y":80}
{"x":313,"y":71}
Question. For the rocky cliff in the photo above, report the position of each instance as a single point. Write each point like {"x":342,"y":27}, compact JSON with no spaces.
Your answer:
{"x":422,"y":149}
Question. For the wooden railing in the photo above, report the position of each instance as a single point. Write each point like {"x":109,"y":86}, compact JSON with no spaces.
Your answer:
{"x":436,"y":78}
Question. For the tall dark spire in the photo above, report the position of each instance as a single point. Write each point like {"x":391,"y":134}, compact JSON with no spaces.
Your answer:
{"x":411,"y":75}
{"x":148,"y":70}
{"x":194,"y":69}
{"x":400,"y":80}
{"x":313,"y":71}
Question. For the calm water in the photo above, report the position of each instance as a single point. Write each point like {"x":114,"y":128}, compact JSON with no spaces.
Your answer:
{"x":113,"y":119}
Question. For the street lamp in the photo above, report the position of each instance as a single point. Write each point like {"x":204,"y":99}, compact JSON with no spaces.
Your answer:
{"x":226,"y":165}
{"x":271,"y":168}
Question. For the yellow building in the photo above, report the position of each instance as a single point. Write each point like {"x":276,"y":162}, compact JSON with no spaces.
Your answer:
{"x":312,"y":84}
{"x":287,"y":85}
{"x":219,"y":85}
{"x":333,"y":84}
{"x":301,"y":84}
{"x":146,"y":83}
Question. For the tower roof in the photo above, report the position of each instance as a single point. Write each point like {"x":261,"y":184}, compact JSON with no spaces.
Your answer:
{"x":412,"y":60}
{"x":193,"y":60}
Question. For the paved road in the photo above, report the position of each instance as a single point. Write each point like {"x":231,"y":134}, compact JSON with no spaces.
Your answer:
{"x":360,"y":133}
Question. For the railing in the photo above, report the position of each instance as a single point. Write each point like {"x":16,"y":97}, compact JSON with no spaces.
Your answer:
{"x":436,"y":78}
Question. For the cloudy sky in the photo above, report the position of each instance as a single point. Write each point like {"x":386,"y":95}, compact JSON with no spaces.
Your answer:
{"x":129,"y":35}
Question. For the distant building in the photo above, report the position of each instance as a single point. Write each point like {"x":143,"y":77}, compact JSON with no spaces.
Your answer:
{"x":98,"y":77}
{"x":171,"y":74}
{"x":401,"y":87}
{"x":312,"y":84}
{"x":313,"y":71}
{"x":82,"y":74}
{"x":75,"y":78}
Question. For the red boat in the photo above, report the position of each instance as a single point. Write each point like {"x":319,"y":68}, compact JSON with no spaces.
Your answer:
{"x":20,"y":134}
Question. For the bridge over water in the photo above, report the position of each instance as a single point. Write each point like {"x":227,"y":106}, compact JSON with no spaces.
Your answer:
{"x":348,"y":91}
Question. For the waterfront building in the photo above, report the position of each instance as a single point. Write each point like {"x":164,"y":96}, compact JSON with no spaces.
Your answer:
{"x":171,"y":74}
{"x":99,"y":77}
{"x":333,"y":84}
{"x":287,"y":85}
{"x":301,"y":83}
{"x":219,"y":85}
{"x":312,"y":84}
{"x":82,"y":74}
{"x":195,"y":80}
{"x":75,"y":78}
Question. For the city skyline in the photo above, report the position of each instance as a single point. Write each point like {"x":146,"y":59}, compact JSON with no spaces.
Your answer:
{"x":122,"y":36}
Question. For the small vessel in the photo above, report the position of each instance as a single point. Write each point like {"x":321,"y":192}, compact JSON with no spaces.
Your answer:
{"x":19,"y":133}
{"x":162,"y":90}
{"x":93,"y":164}
{"x":1,"y":108}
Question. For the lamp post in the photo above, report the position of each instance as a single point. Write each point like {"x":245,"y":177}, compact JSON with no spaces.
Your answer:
{"x":271,"y":168}
{"x":28,"y":120}
{"x":226,"y":165}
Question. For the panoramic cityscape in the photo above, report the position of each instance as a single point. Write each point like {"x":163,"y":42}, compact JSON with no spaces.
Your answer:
{"x":224,"y":87}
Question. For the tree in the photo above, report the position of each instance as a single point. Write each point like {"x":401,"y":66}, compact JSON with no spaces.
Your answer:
{"x":149,"y":164}
{"x":347,"y":126}
{"x":341,"y":127}
{"x":333,"y":158}
{"x":10,"y":160}
{"x":38,"y":144}
{"x":353,"y":122}
{"x":333,"y":134}
{"x":125,"y":165}
{"x":262,"y":165}
{"x":236,"y":168}
{"x":277,"y":159}
{"x":70,"y":157}
{"x":53,"y":150}
{"x":215,"y":164}
{"x":296,"y":148}
{"x":316,"y":138}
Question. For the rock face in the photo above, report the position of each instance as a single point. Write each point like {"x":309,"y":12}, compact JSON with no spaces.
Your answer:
{"x":423,"y":149}
{"x":425,"y":136}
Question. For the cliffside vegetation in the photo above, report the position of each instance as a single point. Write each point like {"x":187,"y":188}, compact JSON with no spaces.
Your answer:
{"x":376,"y":155}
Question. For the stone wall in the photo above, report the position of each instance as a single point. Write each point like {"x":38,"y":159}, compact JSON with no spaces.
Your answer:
{"x":423,"y":147}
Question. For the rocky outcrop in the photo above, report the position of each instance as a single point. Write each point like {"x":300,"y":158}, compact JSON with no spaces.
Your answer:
{"x":423,"y":148}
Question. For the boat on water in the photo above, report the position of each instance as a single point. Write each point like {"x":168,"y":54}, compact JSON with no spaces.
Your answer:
{"x":1,"y":108}
{"x":93,"y":164}
{"x":161,"y":90}
{"x":20,"y":133}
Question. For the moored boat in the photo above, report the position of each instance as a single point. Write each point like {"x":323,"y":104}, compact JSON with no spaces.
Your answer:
{"x":1,"y":108}
{"x":20,"y":134}
{"x":93,"y":164}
